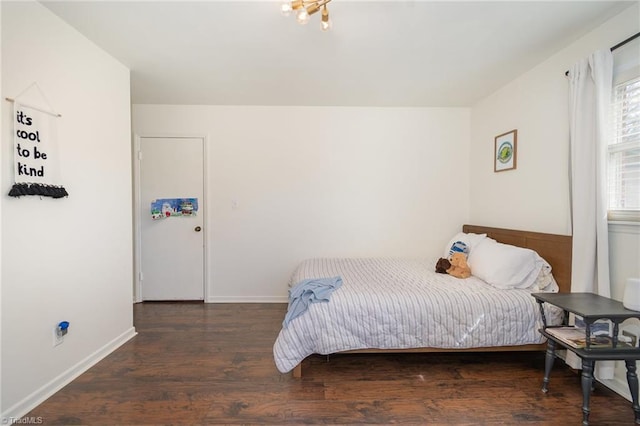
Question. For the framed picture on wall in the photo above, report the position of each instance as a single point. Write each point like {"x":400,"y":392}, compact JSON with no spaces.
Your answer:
{"x":504,"y":151}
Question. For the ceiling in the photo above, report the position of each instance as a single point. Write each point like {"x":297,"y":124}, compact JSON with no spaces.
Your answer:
{"x":378,"y":53}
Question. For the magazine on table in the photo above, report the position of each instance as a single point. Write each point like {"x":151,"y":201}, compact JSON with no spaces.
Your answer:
{"x":576,"y":337}
{"x":601,"y":332}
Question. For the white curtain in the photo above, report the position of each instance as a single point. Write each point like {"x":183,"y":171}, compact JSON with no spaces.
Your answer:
{"x":590,"y":88}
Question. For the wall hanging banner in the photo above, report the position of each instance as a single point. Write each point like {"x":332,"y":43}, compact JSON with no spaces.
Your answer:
{"x":35,"y":155}
{"x":169,"y":207}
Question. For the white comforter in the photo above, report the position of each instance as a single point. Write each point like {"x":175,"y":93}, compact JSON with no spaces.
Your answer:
{"x":402,"y":303}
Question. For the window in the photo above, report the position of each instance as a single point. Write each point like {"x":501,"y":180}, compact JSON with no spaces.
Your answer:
{"x":624,"y":153}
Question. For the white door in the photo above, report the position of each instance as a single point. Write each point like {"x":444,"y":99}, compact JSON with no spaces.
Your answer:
{"x":172,"y":238}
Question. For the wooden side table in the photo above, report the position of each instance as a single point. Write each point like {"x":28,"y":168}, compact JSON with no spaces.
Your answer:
{"x":591,"y":307}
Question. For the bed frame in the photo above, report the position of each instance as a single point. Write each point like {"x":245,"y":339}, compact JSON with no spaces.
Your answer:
{"x":555,"y":249}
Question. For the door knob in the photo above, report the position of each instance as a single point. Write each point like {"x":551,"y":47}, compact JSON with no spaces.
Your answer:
{"x":197,"y":229}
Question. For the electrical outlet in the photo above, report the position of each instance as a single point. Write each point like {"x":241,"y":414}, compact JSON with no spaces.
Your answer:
{"x":58,"y":337}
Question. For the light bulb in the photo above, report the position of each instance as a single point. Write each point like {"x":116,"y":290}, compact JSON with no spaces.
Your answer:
{"x":325,"y":22}
{"x":286,"y":8}
{"x":325,"y":25}
{"x":302,"y":17}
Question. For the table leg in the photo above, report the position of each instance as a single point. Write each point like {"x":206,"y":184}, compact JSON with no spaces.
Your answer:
{"x":632,"y":379}
{"x":548,"y":364}
{"x":587,"y":381}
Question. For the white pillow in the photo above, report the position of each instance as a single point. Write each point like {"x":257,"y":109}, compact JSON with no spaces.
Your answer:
{"x":503,"y":265}
{"x":471,"y":240}
{"x":545,"y":281}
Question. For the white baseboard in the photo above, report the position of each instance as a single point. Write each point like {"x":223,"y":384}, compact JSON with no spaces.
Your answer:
{"x":621,"y":387}
{"x":18,"y":410}
{"x":247,"y":299}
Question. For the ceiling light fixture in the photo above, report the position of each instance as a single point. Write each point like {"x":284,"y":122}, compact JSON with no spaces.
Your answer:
{"x":305,"y":8}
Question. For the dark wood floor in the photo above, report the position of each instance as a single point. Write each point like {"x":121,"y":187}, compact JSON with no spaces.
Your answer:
{"x":212,"y":364}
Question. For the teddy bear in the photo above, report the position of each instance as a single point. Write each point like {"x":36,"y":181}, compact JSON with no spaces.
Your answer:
{"x":442,"y":265}
{"x":459,"y":267}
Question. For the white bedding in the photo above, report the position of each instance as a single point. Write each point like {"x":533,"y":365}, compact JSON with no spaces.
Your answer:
{"x":387,"y":303}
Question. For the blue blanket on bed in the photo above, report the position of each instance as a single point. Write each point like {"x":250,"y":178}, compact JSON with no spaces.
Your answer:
{"x":309,"y":291}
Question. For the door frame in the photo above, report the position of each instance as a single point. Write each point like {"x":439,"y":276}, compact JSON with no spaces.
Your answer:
{"x":137,"y":210}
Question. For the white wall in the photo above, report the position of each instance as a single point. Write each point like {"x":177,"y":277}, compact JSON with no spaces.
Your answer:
{"x":320,"y":181}
{"x":1,"y":171}
{"x":68,"y":259}
{"x":535,"y":196}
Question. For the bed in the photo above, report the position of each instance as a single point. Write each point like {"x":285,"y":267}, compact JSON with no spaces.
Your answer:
{"x":402,"y":305}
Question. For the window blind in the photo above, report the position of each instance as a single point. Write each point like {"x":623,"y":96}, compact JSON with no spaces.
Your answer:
{"x":624,"y":152}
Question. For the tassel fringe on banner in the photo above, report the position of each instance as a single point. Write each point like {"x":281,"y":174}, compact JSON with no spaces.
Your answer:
{"x":53,"y":191}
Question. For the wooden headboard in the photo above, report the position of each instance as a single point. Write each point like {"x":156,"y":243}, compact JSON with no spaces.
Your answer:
{"x":555,"y":249}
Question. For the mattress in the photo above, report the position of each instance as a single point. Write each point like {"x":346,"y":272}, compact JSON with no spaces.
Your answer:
{"x":393,"y":303}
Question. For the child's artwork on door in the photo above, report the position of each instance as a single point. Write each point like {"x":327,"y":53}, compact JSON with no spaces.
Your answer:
{"x":169,"y":207}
